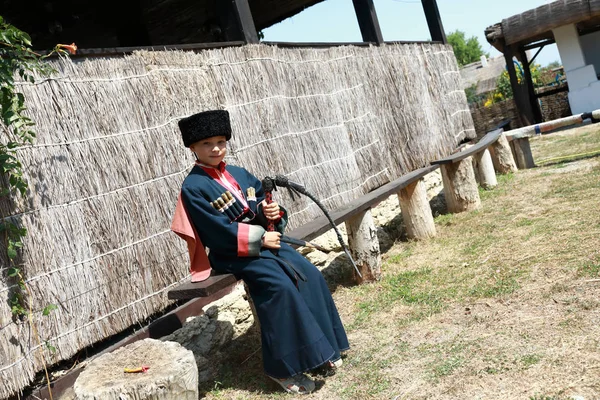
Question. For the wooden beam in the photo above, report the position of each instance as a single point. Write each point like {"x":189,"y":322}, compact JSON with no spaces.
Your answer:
{"x":338,"y":44}
{"x":121,"y":51}
{"x":564,"y":88}
{"x":315,"y":44}
{"x":537,"y":53}
{"x":539,"y":44}
{"x":367,"y":21}
{"x":210,"y":286}
{"x":434,"y":20}
{"x":541,"y":20}
{"x":532,"y":99}
{"x":483,"y":144}
{"x":245,"y":21}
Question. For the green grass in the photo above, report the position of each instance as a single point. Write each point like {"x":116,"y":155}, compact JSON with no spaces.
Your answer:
{"x":589,"y":270}
{"x":405,"y":288}
{"x":402,"y":256}
{"x":500,"y":190}
{"x":447,"y":367}
{"x":530,"y":360}
{"x":525,"y":222}
{"x":445,"y":219}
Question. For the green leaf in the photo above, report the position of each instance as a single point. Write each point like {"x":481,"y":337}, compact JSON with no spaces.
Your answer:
{"x":18,"y":310}
{"x":26,"y":38}
{"x":12,"y":253}
{"x":50,"y":347}
{"x":13,"y":272}
{"x":48,"y":309}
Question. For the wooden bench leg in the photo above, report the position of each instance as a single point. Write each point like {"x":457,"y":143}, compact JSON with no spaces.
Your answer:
{"x":502,"y":156}
{"x":460,"y":187}
{"x":523,"y":156}
{"x":416,"y":211}
{"x":364,"y":246}
{"x":251,"y":302}
{"x":484,"y":170}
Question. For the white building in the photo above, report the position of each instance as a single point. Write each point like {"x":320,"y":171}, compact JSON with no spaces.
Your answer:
{"x":574,"y":25}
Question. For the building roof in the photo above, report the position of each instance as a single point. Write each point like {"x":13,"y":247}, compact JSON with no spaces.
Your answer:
{"x":95,"y":24}
{"x":484,"y":77}
{"x":537,"y":24}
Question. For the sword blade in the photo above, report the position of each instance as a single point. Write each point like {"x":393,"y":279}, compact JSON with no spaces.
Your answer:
{"x":299,"y":242}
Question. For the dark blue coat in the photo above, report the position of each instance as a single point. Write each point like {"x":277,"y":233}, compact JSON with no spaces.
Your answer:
{"x":300,"y":325}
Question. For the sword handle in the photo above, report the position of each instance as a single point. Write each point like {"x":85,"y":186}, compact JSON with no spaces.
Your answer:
{"x":268,"y":186}
{"x":270,"y":223}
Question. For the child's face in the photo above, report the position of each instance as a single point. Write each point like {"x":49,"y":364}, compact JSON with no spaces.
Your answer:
{"x":210,"y":151}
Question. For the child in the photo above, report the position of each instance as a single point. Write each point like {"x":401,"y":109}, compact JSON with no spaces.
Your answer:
{"x":300,"y":326}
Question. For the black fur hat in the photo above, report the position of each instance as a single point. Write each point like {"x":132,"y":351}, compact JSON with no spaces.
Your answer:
{"x":205,"y":125}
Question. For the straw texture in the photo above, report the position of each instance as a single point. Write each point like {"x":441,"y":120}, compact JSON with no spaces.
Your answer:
{"x":108,"y":163}
{"x":549,"y":16}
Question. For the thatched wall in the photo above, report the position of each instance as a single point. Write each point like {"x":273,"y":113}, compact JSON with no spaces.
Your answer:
{"x":108,"y":162}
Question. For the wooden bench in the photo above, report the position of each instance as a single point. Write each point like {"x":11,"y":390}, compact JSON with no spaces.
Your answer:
{"x":460,"y":178}
{"x":461,"y":195}
{"x":411,"y":193}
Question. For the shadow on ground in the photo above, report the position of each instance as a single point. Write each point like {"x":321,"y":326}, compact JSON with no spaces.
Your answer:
{"x":241,"y":368}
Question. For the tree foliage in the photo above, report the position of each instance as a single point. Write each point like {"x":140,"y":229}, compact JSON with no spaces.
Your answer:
{"x":540,"y":77}
{"x":466,"y":50}
{"x":17,"y":59}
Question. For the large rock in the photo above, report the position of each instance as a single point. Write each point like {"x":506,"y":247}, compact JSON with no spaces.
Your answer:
{"x":173,"y":374}
{"x":207,"y":334}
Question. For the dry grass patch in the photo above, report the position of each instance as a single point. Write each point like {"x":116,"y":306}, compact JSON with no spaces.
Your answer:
{"x":502,"y":304}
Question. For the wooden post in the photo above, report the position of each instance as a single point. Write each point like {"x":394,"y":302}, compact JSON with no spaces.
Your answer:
{"x":523,"y":106}
{"x":416,"y":211}
{"x":460,"y":187}
{"x":434,"y":20}
{"x":367,"y":21}
{"x":235,"y":21}
{"x":523,"y":156}
{"x":484,"y":167}
{"x":532,"y":99}
{"x":502,"y":156}
{"x":364,"y":246}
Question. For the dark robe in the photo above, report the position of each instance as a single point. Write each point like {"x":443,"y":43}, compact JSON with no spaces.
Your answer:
{"x":300,"y":326}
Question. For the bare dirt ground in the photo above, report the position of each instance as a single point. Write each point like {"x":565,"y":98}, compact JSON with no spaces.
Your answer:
{"x":503,"y":304}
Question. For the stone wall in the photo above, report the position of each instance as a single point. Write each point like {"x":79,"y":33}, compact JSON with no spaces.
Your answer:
{"x":486,"y":119}
{"x":554,"y":106}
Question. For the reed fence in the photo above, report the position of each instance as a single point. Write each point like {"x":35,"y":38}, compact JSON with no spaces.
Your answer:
{"x":108,"y":162}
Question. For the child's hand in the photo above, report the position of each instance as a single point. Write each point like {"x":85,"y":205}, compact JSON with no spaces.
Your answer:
{"x":271,"y":240}
{"x":271,"y":211}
